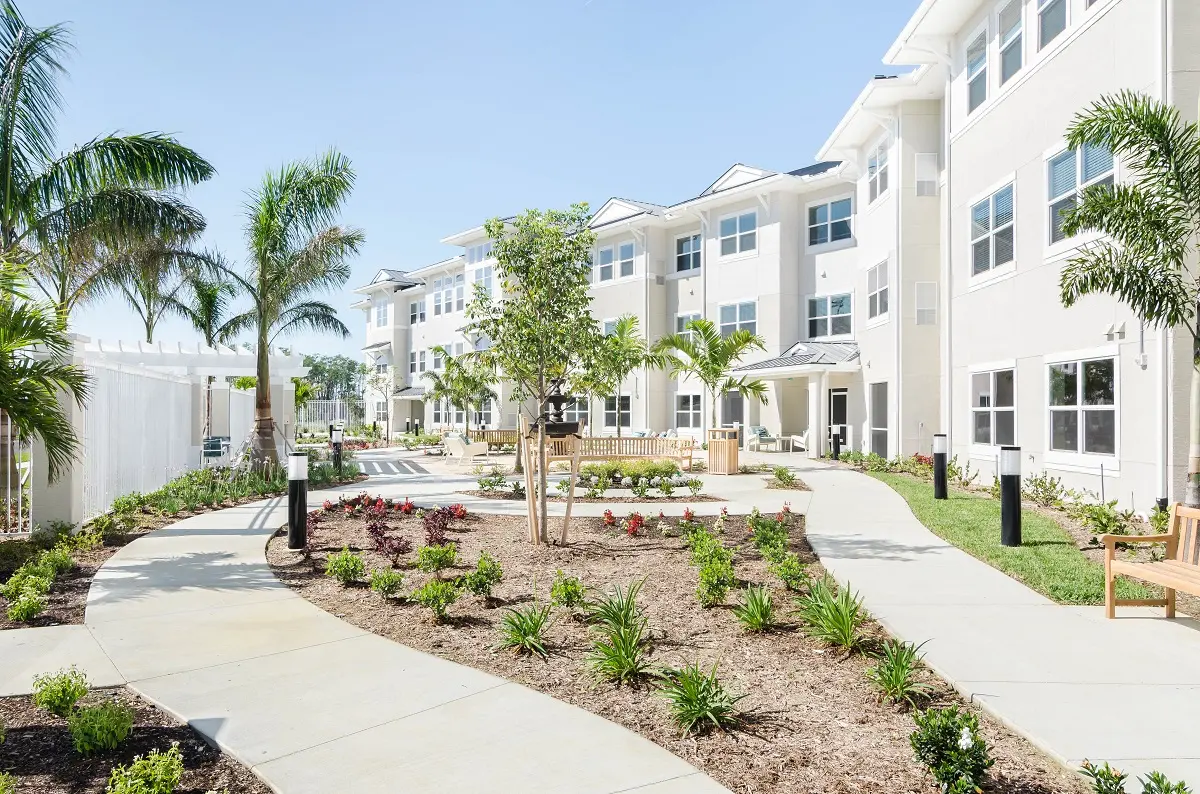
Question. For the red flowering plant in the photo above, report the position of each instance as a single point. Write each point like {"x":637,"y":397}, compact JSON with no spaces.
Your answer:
{"x":458,"y":511}
{"x":689,"y":514}
{"x":633,"y":523}
{"x":609,"y":518}
{"x":327,"y":505}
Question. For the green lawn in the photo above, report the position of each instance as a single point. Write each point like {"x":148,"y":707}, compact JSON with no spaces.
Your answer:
{"x":1047,"y":560}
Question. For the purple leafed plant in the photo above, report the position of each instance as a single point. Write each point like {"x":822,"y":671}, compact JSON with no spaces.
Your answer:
{"x":395,"y":547}
{"x":436,"y":523}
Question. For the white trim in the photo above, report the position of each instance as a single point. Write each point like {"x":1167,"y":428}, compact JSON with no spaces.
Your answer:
{"x":829,"y":317}
{"x":883,"y":142}
{"x":982,"y":29}
{"x":604,"y":323}
{"x":997,"y":10}
{"x":990,"y":277}
{"x":831,"y":244}
{"x":737,"y":323}
{"x":695,"y":271}
{"x":993,"y":272}
{"x":738,"y":254}
{"x":972,"y":408}
{"x":1104,"y":351}
{"x":1068,"y":245}
{"x":882,"y":316}
{"x":1082,"y":461}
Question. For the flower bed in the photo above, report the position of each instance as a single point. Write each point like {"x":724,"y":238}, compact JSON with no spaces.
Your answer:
{"x":809,"y":720}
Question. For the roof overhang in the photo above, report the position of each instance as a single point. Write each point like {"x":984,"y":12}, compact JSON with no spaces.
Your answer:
{"x":867,"y":116}
{"x":378,"y":346}
{"x":195,"y":359}
{"x":923,"y":39}
{"x":409,"y":393}
{"x":799,"y":370}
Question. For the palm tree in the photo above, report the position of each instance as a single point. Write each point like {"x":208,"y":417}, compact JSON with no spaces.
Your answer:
{"x":708,"y":356}
{"x":623,"y":351}
{"x":465,"y":382}
{"x":1150,"y":224}
{"x":55,"y":208}
{"x":151,"y":276}
{"x":296,"y":251}
{"x":34,"y":369}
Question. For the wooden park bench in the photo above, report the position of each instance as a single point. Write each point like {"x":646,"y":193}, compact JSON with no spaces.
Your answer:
{"x":1178,"y":570}
{"x":496,"y":439}
{"x":628,"y":447}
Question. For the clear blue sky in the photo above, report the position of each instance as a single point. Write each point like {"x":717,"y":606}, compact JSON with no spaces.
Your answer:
{"x":455,"y":111}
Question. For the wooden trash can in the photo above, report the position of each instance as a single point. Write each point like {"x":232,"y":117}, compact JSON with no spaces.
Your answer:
{"x":723,"y":450}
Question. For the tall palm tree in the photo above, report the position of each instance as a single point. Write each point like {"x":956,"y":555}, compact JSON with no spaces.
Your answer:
{"x":1150,"y":223}
{"x":296,"y":251}
{"x":34,"y":369}
{"x":151,"y":275}
{"x":205,"y":304}
{"x":623,"y":351}
{"x":705,"y":354}
{"x":114,"y":188}
{"x":464,"y":382}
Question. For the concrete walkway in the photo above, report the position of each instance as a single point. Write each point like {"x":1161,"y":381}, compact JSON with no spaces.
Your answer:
{"x":1125,"y":691}
{"x":192,"y":617}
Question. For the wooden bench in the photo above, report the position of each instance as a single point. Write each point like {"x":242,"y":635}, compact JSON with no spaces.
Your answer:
{"x":626,"y":448}
{"x":1178,"y":570}
{"x":495,"y":439}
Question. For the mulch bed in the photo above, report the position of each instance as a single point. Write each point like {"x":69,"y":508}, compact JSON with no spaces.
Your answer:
{"x":812,"y":723}
{"x":798,"y":485}
{"x":507,"y":496}
{"x":39,"y":753}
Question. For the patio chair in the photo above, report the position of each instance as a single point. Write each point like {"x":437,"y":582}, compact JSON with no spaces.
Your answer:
{"x":757,"y":437}
{"x":800,"y":442}
{"x":464,"y":451}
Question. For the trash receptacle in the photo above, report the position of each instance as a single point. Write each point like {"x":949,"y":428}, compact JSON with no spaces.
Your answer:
{"x":723,"y":450}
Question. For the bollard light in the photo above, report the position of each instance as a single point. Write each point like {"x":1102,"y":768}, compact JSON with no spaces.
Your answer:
{"x":297,"y":467}
{"x":836,"y":441}
{"x":335,"y":439}
{"x":1010,"y":496}
{"x":941,"y":447}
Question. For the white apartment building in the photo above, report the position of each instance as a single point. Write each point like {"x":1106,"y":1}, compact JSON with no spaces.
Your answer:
{"x":907,"y":283}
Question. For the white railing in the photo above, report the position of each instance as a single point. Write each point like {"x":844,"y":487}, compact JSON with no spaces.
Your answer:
{"x":137,"y":433}
{"x":16,"y":481}
{"x":315,"y":416}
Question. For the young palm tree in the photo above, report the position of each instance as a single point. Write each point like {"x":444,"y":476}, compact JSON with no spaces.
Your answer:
{"x":151,"y":276}
{"x":705,"y":354}
{"x":54,"y":208}
{"x":463,"y":382}
{"x":622,"y":352}
{"x":1151,"y":224}
{"x":34,"y":369}
{"x":296,"y":251}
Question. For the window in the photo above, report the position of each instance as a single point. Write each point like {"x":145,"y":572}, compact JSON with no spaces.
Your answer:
{"x":610,"y":327}
{"x":681,"y":322}
{"x":739,"y":316}
{"x":576,"y":411}
{"x":484,"y":276}
{"x":1083,"y":406}
{"x":438,"y":360}
{"x":877,"y":291}
{"x":604,"y":264}
{"x":458,"y":348}
{"x":381,"y":369}
{"x":483,"y":414}
{"x":458,"y":415}
{"x":381,"y":315}
{"x":977,"y":71}
{"x":1052,"y":20}
{"x":437,"y":412}
{"x":460,"y":283}
{"x":993,"y":420}
{"x":739,"y":233}
{"x":687,"y":253}
{"x":447,"y":294}
{"x":381,"y":412}
{"x":879,"y":418}
{"x":1068,"y":174}
{"x":828,"y":223}
{"x":478,"y":253}
{"x":416,"y":312}
{"x":412,"y":363}
{"x":611,"y":414}
{"x":421,"y":360}
{"x":687,"y":410}
{"x":829,"y":315}
{"x":926,"y":168}
{"x":437,"y":297}
{"x":877,"y":170}
{"x":625,"y":259}
{"x":992,"y":231}
{"x":925,"y":298}
{"x":1011,"y":40}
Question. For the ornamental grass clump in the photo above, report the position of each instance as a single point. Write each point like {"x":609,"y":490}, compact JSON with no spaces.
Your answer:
{"x":620,"y":646}
{"x":100,"y":727}
{"x":435,"y":559}
{"x":948,"y":743}
{"x":438,"y":595}
{"x":345,"y":566}
{"x":523,"y":631}
{"x":386,"y":582}
{"x":834,"y":616}
{"x":698,"y":701}
{"x":757,"y":611}
{"x":487,"y":574}
{"x":895,"y":674}
{"x":157,"y":773}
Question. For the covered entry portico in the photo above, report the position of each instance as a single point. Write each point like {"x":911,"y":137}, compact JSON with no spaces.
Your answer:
{"x":815,"y":388}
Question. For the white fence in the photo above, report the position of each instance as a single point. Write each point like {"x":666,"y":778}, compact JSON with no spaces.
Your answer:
{"x":241,"y":416}
{"x":16,"y":481}
{"x":137,"y":433}
{"x":315,"y":416}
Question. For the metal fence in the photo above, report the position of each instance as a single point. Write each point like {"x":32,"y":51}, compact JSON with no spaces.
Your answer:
{"x":137,"y":434}
{"x":16,"y":480}
{"x":315,"y":416}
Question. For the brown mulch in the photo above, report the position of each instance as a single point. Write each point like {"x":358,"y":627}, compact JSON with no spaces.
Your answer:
{"x":798,"y":485}
{"x":812,"y":722}
{"x":685,"y":498}
{"x":39,"y":753}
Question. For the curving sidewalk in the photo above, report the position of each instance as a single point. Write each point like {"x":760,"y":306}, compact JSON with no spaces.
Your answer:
{"x":193,"y":619}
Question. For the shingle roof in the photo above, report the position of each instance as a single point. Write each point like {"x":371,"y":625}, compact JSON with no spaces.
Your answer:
{"x":409,"y":392}
{"x":816,"y":168}
{"x":803,"y":353}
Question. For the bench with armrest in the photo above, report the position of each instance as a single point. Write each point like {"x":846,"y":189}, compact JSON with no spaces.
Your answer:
{"x":1178,"y":570}
{"x":627,"y":447}
{"x":465,"y":451}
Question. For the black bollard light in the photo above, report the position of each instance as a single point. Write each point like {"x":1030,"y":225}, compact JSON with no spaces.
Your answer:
{"x":941,"y":447}
{"x":335,"y":439}
{"x":297,"y":500}
{"x":836,"y":441}
{"x":1010,"y":496}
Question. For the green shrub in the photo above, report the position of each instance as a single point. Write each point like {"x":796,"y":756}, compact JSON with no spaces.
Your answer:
{"x":14,"y":553}
{"x":47,"y":536}
{"x":1158,"y":783}
{"x":1160,"y":519}
{"x":58,"y":559}
{"x":8,"y":783}
{"x":1106,"y":780}
{"x":566,"y":591}
{"x":697,"y":699}
{"x":619,"y":655}
{"x":437,"y":595}
{"x":1043,"y":490}
{"x":757,"y":610}
{"x":102,"y":727}
{"x":435,"y":559}
{"x":895,"y":673}
{"x":58,"y":692}
{"x":33,"y":576}
{"x":716,"y":577}
{"x":640,"y":487}
{"x":487,"y":574}
{"x":386,"y":581}
{"x":783,"y":476}
{"x":947,"y":742}
{"x":157,"y":773}
{"x":695,"y":485}
{"x":666,"y":488}
{"x":771,"y":537}
{"x":791,"y":571}
{"x":345,"y":566}
{"x":26,"y":607}
{"x":835,"y":619}
{"x":523,"y":630}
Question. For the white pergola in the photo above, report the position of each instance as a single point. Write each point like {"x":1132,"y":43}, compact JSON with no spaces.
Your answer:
{"x":193,"y":359}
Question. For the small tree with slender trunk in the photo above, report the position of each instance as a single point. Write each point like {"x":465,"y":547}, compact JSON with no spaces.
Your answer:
{"x":1150,"y":223}
{"x":708,"y":356}
{"x":206,"y":306}
{"x":465,"y":382}
{"x":622,"y":352}
{"x":540,"y":326}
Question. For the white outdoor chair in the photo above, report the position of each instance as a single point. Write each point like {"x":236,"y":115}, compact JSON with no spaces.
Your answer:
{"x":757,"y":437}
{"x":464,"y":451}
{"x":800,"y":442}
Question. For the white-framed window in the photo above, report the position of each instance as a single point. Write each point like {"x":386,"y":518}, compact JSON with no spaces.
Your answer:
{"x":604,"y":264}
{"x":612,"y":414}
{"x":681,"y":323}
{"x":1011,"y":40}
{"x":381,"y":315}
{"x":625,"y":259}
{"x":992,"y":231}
{"x":576,"y":410}
{"x":381,"y":368}
{"x":1052,"y":20}
{"x":1082,"y":403}
{"x":829,"y":315}
{"x":437,"y":412}
{"x":610,"y":327}
{"x":412,"y":362}
{"x":925,"y":166}
{"x":1068,"y":174}
{"x":447,"y":294}
{"x":438,"y":360}
{"x":687,"y":252}
{"x":877,"y":170}
{"x":460,"y":286}
{"x":459,"y":415}
{"x":483,"y":275}
{"x":977,"y":80}
{"x":687,"y":411}
{"x":738,"y":233}
{"x":877,"y":291}
{"x":993,"y":408}
{"x":479,"y":253}
{"x":483,"y":414}
{"x":416,"y":312}
{"x":421,"y":360}
{"x":437,"y":297}
{"x":739,"y":317}
{"x":830,"y":222}
{"x":925,"y":302}
{"x":381,"y":411}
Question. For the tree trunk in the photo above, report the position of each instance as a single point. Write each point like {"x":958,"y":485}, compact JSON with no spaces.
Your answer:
{"x":543,"y":532}
{"x":264,"y":451}
{"x":208,"y":382}
{"x":1191,"y":497}
{"x":619,"y":411}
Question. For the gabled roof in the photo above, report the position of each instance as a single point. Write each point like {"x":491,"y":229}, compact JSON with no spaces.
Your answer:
{"x":801,"y":354}
{"x":396,"y":279}
{"x":737,"y":174}
{"x":616,"y":210}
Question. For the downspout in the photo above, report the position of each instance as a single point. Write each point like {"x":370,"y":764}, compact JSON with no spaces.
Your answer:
{"x":899,"y":303}
{"x":1165,"y":334}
